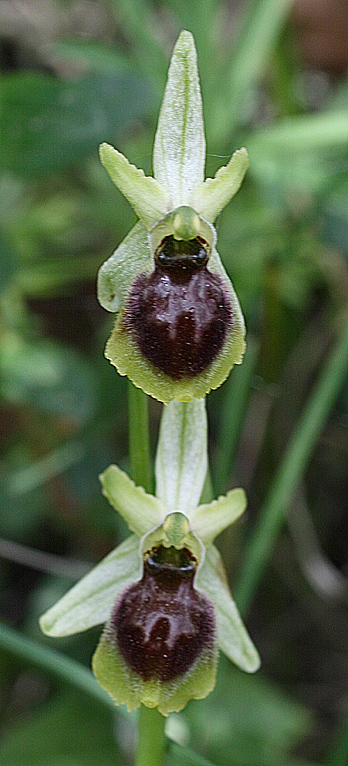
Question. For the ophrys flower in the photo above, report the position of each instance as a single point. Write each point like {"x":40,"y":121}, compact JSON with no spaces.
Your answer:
{"x":179,"y":328}
{"x":162,"y":593}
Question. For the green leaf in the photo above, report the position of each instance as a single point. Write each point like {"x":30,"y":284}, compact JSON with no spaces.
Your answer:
{"x":179,"y":150}
{"x":47,"y":124}
{"x":248,"y":716}
{"x":83,"y":735}
{"x":181,"y":460}
{"x":54,"y":663}
{"x":291,"y":469}
{"x":317,"y":132}
{"x":96,"y":55}
{"x":53,"y":379}
{"x":262,"y":25}
{"x":91,"y":600}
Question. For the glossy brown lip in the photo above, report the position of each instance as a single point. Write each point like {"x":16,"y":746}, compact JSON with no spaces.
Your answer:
{"x":180,"y":314}
{"x":161,"y":623}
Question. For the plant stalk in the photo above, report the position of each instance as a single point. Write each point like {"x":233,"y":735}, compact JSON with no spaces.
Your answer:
{"x":151,"y":738}
{"x":139,"y":439}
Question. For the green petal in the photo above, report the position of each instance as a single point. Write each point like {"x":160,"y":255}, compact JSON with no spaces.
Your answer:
{"x":232,"y":636}
{"x":123,"y":352}
{"x":141,"y":511}
{"x":148,"y":198}
{"x":209,"y":520}
{"x":117,"y":274}
{"x":92,"y":599}
{"x":210,"y":197}
{"x":181,"y":460}
{"x":126,"y":687}
{"x":179,"y":150}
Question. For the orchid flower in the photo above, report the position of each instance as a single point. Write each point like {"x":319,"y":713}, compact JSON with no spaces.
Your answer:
{"x":179,"y":328}
{"x":162,"y":593}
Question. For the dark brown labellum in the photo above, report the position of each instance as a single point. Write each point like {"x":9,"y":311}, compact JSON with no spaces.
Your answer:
{"x":161,"y":623}
{"x":181,"y":313}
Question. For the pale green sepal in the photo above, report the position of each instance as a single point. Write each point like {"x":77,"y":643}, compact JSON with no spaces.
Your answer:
{"x":126,"y":687}
{"x":149,"y":199}
{"x":179,"y":149}
{"x":181,"y":459}
{"x":210,"y":197}
{"x":141,"y":511}
{"x":118,"y":273}
{"x":210,"y":519}
{"x":92,"y":599}
{"x":232,"y":636}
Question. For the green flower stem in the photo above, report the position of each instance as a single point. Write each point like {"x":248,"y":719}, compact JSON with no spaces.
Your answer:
{"x":151,"y":738}
{"x":139,"y":440}
{"x":291,"y":470}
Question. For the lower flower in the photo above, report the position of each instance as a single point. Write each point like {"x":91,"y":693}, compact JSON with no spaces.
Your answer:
{"x":163,"y":592}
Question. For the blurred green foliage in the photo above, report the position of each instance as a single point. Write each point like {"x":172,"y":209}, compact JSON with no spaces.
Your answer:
{"x":63,"y":408}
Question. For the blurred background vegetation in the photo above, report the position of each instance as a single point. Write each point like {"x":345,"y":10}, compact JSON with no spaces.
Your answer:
{"x":274,"y":78}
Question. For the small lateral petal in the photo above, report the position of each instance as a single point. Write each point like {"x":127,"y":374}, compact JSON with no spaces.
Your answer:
{"x":141,"y":511}
{"x":149,"y":199}
{"x":181,"y":459}
{"x":91,"y":600}
{"x":232,"y":636}
{"x":209,"y":520}
{"x":211,"y":196}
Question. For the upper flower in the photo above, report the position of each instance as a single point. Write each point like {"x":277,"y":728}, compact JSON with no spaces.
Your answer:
{"x":162,"y":593}
{"x":180,"y":328}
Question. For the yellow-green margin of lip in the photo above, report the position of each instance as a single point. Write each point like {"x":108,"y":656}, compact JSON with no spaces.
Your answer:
{"x":123,"y":352}
{"x":125,"y":686}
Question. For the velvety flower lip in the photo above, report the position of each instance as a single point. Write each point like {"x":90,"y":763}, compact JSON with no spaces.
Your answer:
{"x":179,"y":328}
{"x":162,"y":593}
